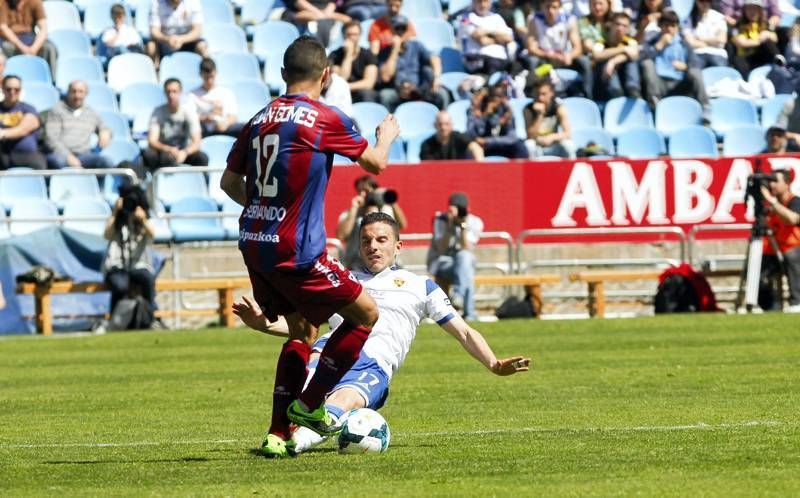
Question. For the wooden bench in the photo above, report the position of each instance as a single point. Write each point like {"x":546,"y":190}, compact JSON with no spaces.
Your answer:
{"x":596,"y":279}
{"x":531,"y":283}
{"x":43,"y":310}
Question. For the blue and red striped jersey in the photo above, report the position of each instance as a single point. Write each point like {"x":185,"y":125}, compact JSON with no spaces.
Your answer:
{"x":285,"y":153}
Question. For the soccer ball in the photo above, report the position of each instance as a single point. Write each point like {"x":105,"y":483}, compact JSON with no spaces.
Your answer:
{"x":364,"y":431}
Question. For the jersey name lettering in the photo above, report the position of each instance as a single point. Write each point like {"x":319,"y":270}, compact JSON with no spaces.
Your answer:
{"x":285,"y":113}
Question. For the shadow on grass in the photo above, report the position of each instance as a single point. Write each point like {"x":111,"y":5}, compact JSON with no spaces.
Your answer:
{"x":154,"y":460}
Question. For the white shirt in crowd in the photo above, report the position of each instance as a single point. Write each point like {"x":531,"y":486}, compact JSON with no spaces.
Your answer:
{"x":711,"y":25}
{"x":492,"y":22}
{"x":175,"y":20}
{"x":126,"y":36}
{"x":204,"y":101}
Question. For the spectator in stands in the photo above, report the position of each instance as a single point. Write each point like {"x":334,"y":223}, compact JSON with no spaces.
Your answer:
{"x":755,"y":42}
{"x":647,"y":20}
{"x":175,"y":133}
{"x":592,"y":28}
{"x":361,"y":10}
{"x":784,"y":220}
{"x":547,"y":124}
{"x":175,"y":26}
{"x":669,"y":67}
{"x":486,"y":40}
{"x":491,"y":122}
{"x":23,"y":27}
{"x":408,"y":71}
{"x":68,"y":132}
{"x":617,"y":61}
{"x":359,"y":67}
{"x":215,"y":105}
{"x":514,"y":17}
{"x":789,"y":119}
{"x":322,"y":12}
{"x":707,"y":34}
{"x":451,"y":257}
{"x":733,"y":10}
{"x":121,"y":37}
{"x":582,"y":8}
{"x":380,"y":32}
{"x":778,"y":142}
{"x":448,"y":144}
{"x":369,"y":198}
{"x":338,"y":94}
{"x":554,"y":39}
{"x":19,"y":129}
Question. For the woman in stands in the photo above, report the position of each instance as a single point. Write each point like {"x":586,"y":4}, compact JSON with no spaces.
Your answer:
{"x":707,"y":34}
{"x":647,"y":21}
{"x":755,"y":42}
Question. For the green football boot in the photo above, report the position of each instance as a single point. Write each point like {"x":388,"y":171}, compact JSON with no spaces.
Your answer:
{"x":275,"y":447}
{"x":319,"y":420}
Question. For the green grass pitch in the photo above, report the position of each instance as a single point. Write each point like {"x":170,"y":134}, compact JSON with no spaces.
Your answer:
{"x":670,"y":406}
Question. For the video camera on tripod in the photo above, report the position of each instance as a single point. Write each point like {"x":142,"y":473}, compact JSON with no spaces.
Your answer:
{"x":753,"y":190}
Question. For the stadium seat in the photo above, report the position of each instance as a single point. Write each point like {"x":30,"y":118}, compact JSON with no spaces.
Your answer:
{"x":141,"y":98}
{"x":414,"y":147}
{"x":517,"y":105}
{"x":693,"y":141}
{"x":583,"y":136}
{"x":75,"y":208}
{"x":674,"y":113}
{"x":196,"y":229}
{"x":121,"y":149}
{"x":421,"y":9}
{"x":217,"y":147}
{"x":31,"y":208}
{"x":744,"y":141}
{"x":452,"y":60}
{"x":251,"y":97}
{"x":15,"y":188}
{"x":727,"y":113}
{"x":582,"y":113}
{"x":682,"y":7}
{"x":712,"y":75}
{"x":97,"y":17}
{"x":29,"y":68}
{"x":172,"y":187}
{"x":457,"y":7}
{"x":502,"y":159}
{"x":217,"y":12}
{"x":452,"y":81}
{"x":62,"y":15}
{"x":272,"y":74}
{"x":117,"y":123}
{"x":232,"y":67}
{"x":568,"y":77}
{"x":77,"y":67}
{"x":142,"y":19}
{"x":42,"y":96}
{"x":214,"y":190}
{"x":415,"y":118}
{"x":225,"y":38}
{"x":623,"y":113}
{"x":435,"y":34}
{"x":640,"y":143}
{"x":272,"y":37}
{"x":160,"y":225}
{"x":759,"y":74}
{"x":368,"y":116}
{"x":458,"y":112}
{"x":231,"y":223}
{"x":4,"y":232}
{"x":771,"y":109}
{"x":101,"y":97}
{"x":255,"y":12}
{"x":75,"y":186}
{"x":184,"y":66}
{"x":70,"y":42}
{"x":126,"y":69}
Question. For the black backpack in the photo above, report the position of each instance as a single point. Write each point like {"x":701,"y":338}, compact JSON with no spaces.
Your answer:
{"x":514,"y":307}
{"x":132,"y":313}
{"x":676,"y":295}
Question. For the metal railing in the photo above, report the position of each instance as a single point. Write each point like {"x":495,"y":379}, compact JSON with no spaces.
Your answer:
{"x":696,"y":229}
{"x":504,"y":236}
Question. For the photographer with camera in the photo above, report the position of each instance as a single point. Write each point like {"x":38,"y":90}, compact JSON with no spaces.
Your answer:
{"x":450,"y":257}
{"x":128,"y":260}
{"x":369,"y":198}
{"x":783,"y":218}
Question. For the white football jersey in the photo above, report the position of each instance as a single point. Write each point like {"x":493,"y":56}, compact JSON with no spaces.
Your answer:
{"x":404,"y":299}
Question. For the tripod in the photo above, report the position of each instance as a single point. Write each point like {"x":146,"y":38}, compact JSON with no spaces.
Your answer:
{"x":750,"y":279}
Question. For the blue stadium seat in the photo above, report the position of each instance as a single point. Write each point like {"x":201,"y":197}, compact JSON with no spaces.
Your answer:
{"x":97,"y":17}
{"x":217,"y":147}
{"x":674,"y":113}
{"x":771,"y":109}
{"x":121,"y":149}
{"x":42,"y":96}
{"x":368,"y":116}
{"x":14,"y":189}
{"x":4,"y":232}
{"x":415,"y":118}
{"x":101,"y":97}
{"x":451,"y":81}
{"x":435,"y":34}
{"x":727,"y":113}
{"x":62,"y":15}
{"x":31,"y":208}
{"x":452,"y":60}
{"x":272,"y":74}
{"x":744,"y":141}
{"x":214,"y":191}
{"x":251,"y":97}
{"x":272,"y":37}
{"x":583,"y":136}
{"x":29,"y":68}
{"x":640,"y":143}
{"x":582,"y":113}
{"x":693,"y":141}
{"x":623,"y":113}
{"x":126,"y":69}
{"x":75,"y":186}
{"x":682,"y":7}
{"x":182,"y":65}
{"x":217,"y":12}
{"x":458,"y":112}
{"x":78,"y":67}
{"x":713,"y":74}
{"x":117,"y":123}
{"x":196,"y":229}
{"x":517,"y":105}
{"x":142,"y":19}
{"x":414,"y":147}
{"x":421,"y":9}
{"x":75,"y":208}
{"x":160,"y":225}
{"x":255,"y":12}
{"x":231,"y":223}
{"x":233,"y":67}
{"x":502,"y":159}
{"x":225,"y":38}
{"x":759,"y":74}
{"x":70,"y":42}
{"x":457,"y":7}
{"x":141,"y":98}
{"x":172,"y":187}
{"x":568,"y":77}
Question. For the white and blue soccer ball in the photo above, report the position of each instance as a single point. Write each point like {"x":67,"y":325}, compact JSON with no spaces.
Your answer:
{"x":364,"y":431}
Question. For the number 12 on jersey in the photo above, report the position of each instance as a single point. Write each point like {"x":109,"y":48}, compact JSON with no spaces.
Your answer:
{"x":266,"y":151}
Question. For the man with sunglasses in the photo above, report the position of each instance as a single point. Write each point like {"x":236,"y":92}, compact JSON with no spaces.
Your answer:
{"x":19,"y":129}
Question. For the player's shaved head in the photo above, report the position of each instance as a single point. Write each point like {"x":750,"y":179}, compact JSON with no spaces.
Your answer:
{"x":379,"y":217}
{"x":304,"y":60}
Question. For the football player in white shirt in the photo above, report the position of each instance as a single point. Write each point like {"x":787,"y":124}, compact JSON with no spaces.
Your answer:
{"x":404,"y":299}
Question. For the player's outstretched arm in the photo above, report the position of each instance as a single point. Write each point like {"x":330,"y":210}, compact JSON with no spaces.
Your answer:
{"x":251,"y":315}
{"x":375,"y":159}
{"x":476,"y":345}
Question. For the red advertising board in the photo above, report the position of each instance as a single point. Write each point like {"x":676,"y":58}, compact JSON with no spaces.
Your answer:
{"x":519,"y":195}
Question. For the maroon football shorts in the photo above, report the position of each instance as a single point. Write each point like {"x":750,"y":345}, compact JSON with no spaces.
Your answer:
{"x":317,"y":293}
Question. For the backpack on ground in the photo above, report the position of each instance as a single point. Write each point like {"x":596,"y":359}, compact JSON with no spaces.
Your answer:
{"x":132,"y":313}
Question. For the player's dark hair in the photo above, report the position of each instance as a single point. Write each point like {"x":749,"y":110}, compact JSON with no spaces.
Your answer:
{"x":304,"y":60}
{"x":171,"y":81}
{"x":785,"y":173}
{"x":378,"y":217}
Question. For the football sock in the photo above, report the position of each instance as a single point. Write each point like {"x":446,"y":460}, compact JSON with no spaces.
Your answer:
{"x":338,"y":355}
{"x":335,"y":411}
{"x":305,"y":439}
{"x":290,"y":376}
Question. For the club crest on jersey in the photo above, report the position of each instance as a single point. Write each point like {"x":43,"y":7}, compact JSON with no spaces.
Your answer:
{"x":399,"y":282}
